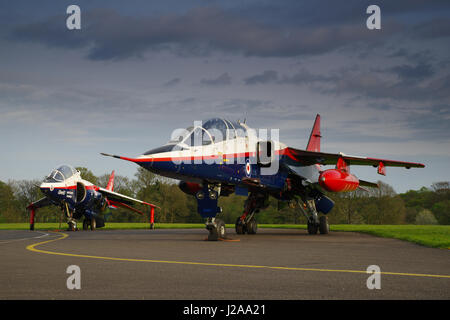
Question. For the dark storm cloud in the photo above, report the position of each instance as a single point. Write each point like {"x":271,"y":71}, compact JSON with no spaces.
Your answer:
{"x":223,"y":79}
{"x":267,"y":76}
{"x":109,"y":35}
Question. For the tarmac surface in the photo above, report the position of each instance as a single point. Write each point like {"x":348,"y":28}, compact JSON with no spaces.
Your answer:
{"x":179,"y":264}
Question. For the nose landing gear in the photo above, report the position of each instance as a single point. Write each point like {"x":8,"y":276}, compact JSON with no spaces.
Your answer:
{"x":207,"y":199}
{"x":247,"y":222}
{"x":216,"y":228}
{"x":71,"y":222}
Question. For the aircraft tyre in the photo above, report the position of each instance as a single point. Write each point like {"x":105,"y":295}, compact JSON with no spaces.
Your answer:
{"x":312,"y":228}
{"x":71,"y":226}
{"x":324,"y":227}
{"x":213,"y":236}
{"x":217,"y":231}
{"x":240,"y":226}
{"x":221,"y":230}
{"x":93,"y":224}
{"x":252,"y":226}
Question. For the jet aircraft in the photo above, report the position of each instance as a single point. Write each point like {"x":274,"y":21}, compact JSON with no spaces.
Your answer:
{"x":65,"y":188}
{"x":218,"y":157}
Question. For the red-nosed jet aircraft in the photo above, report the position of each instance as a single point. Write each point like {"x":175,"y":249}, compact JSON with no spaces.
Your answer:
{"x":218,"y":157}
{"x":65,"y":188}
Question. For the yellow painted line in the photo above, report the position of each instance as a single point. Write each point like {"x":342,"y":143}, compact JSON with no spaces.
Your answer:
{"x":32,"y":247}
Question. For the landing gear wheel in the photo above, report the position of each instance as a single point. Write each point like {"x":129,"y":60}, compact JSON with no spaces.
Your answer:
{"x":221,"y":231}
{"x":312,"y":228}
{"x":213,"y":236}
{"x":93,"y":224}
{"x":72,"y":226}
{"x":252,"y":226}
{"x":324,"y":227}
{"x":217,"y":230}
{"x":240,"y":226}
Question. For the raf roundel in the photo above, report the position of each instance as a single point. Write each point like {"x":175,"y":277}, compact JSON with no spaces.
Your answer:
{"x":248,"y":168}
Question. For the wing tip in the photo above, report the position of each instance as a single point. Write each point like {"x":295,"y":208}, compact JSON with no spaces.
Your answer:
{"x":118,"y":157}
{"x":109,"y":155}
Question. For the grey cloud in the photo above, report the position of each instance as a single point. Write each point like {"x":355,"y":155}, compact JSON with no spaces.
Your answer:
{"x":299,"y":78}
{"x":267,"y":76}
{"x":172,"y":83}
{"x":378,"y":87}
{"x":223,"y":79}
{"x":110,"y":36}
{"x":430,"y":122}
{"x":305,"y":77}
{"x":436,"y":28}
{"x":413,"y":73}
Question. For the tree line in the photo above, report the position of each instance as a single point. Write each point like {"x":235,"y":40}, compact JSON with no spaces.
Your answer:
{"x":374,"y":206}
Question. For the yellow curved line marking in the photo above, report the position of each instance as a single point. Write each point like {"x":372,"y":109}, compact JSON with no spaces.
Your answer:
{"x":32,"y":247}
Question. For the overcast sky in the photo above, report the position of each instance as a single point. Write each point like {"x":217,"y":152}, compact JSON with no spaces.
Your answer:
{"x":137,"y":70}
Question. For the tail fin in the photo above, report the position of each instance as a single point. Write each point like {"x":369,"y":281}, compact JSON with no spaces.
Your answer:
{"x":314,"y":138}
{"x":110,"y":185}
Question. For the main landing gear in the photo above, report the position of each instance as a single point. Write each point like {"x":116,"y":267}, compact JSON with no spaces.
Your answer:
{"x":89,"y":223}
{"x":247,"y":222}
{"x":314,"y":222}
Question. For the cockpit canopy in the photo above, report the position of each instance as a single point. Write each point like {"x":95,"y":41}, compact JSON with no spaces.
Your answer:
{"x":208,"y":131}
{"x":61,"y":173}
{"x":203,"y":133}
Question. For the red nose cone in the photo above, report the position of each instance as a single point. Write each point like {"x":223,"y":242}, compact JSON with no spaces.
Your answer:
{"x":338,"y":181}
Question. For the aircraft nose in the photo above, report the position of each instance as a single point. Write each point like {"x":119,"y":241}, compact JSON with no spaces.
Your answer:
{"x":147,"y":159}
{"x":44,"y":188}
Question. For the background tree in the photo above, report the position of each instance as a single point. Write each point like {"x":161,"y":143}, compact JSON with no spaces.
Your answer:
{"x":377,"y":206}
{"x":8,"y":205}
{"x":425,"y":217}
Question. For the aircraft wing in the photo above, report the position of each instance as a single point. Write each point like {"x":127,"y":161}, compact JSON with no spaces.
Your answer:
{"x":301,"y":158}
{"x":123,"y":205}
{"x":40,"y":203}
{"x":36,"y":205}
{"x":120,"y":198}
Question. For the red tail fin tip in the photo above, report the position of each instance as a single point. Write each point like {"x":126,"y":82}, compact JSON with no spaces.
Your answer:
{"x":314,"y":138}
{"x":110,"y":185}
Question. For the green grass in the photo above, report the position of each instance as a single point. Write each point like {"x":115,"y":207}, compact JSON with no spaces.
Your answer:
{"x":436,"y":236}
{"x":429,"y":235}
